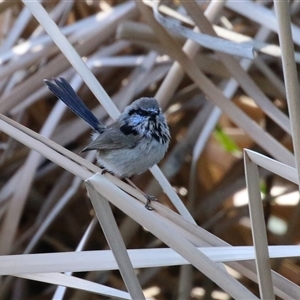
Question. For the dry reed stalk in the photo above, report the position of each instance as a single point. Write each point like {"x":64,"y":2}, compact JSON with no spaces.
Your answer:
{"x":46,"y":210}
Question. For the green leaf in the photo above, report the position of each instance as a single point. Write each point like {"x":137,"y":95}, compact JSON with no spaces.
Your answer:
{"x":226,"y":142}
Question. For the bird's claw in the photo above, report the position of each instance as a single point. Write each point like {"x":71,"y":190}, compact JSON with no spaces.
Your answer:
{"x":104,"y":171}
{"x":148,"y":203}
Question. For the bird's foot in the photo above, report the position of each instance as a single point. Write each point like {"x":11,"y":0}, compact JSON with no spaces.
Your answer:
{"x":148,"y":203}
{"x":104,"y":171}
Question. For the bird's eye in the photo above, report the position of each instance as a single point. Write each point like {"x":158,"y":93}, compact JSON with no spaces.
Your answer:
{"x":141,"y":112}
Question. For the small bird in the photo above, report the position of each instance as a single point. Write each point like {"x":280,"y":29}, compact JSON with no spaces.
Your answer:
{"x":134,"y":142}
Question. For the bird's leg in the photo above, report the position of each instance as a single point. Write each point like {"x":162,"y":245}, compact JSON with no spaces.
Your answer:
{"x":148,"y":197}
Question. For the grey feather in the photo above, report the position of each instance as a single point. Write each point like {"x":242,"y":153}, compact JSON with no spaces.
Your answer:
{"x":111,"y":138}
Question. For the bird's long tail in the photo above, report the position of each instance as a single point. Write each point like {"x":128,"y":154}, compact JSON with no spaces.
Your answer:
{"x":64,"y":91}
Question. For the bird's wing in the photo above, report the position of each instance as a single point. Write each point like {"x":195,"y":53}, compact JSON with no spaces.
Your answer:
{"x":113,"y":138}
{"x":64,"y":91}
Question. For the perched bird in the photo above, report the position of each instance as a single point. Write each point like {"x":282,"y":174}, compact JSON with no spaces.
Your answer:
{"x":133,"y":143}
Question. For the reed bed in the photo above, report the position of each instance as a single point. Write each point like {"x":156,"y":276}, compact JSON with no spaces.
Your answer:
{"x":226,"y":223}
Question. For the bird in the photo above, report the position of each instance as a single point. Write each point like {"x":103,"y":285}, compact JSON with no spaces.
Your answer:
{"x":137,"y":140}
